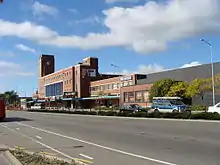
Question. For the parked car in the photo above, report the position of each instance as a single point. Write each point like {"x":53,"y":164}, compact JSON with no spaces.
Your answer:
{"x":169,"y":105}
{"x":132,"y":108}
{"x":215,"y":108}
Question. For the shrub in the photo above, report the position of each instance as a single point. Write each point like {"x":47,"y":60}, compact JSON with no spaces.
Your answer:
{"x":198,"y":108}
{"x":204,"y":115}
{"x":107,"y":113}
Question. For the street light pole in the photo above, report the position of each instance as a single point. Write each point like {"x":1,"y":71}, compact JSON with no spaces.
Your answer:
{"x":115,"y":66}
{"x":212,"y":69}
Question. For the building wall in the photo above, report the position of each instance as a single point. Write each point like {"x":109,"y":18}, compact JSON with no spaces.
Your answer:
{"x":183,"y":74}
{"x":46,"y":65}
{"x":136,"y":94}
{"x":83,"y":76}
{"x":109,"y":86}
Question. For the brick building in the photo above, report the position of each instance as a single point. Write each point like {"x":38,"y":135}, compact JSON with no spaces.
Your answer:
{"x":111,"y":91}
{"x":72,"y":83}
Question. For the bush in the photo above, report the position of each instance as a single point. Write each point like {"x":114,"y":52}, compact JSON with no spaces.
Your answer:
{"x":198,"y":108}
{"x":107,"y":113}
{"x":204,"y":115}
{"x":31,"y":159}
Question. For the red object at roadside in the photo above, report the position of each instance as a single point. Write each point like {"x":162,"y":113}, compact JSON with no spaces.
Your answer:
{"x":2,"y":109}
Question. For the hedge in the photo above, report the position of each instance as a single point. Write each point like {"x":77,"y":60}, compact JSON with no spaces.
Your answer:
{"x":204,"y":115}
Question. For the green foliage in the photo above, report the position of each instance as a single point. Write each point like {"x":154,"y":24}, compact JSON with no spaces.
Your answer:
{"x":199,"y":87}
{"x":198,"y":108}
{"x":38,"y":159}
{"x":204,"y":115}
{"x":10,"y":96}
{"x":161,"y":88}
{"x":178,"y":89}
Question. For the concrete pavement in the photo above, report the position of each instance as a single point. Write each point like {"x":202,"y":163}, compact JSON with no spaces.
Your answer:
{"x":107,"y":141}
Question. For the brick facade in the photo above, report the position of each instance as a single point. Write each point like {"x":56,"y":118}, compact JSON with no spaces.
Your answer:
{"x":136,"y":94}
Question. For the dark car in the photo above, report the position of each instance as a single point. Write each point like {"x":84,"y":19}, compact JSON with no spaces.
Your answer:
{"x":132,"y":108}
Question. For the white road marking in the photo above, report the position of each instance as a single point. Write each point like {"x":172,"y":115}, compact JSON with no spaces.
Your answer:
{"x":129,"y":118}
{"x":98,"y":145}
{"x":43,"y":144}
{"x":17,"y":128}
{"x":86,"y":156}
{"x":38,"y":137}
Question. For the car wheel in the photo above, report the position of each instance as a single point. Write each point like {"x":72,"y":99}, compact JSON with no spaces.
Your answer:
{"x":156,"y":111}
{"x":175,"y":111}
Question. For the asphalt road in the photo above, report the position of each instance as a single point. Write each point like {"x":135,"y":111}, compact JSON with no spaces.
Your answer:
{"x":114,"y":141}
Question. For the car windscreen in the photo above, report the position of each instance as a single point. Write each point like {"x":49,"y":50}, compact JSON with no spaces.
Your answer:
{"x":176,"y":102}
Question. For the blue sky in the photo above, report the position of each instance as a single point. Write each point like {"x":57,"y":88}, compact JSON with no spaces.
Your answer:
{"x":136,"y":35}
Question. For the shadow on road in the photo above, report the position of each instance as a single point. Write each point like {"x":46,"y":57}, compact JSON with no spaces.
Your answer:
{"x":15,"y":119}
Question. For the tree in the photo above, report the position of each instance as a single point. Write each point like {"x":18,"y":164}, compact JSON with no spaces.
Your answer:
{"x":199,"y":87}
{"x":161,"y":88}
{"x":178,"y":89}
{"x":10,"y":96}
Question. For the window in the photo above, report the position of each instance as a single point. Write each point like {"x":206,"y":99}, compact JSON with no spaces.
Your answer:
{"x":110,"y":86}
{"x":131,"y":96}
{"x":138,"y":96}
{"x":126,"y":97}
{"x":115,"y":86}
{"x":118,"y":85}
{"x":54,"y":89}
{"x":102,"y":87}
{"x":125,"y":83}
{"x":145,"y":96}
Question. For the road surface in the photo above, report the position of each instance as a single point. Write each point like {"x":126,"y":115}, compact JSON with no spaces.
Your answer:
{"x":114,"y":141}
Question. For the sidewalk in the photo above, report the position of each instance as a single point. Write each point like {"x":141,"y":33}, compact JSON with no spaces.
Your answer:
{"x":6,"y":158}
{"x":3,"y":159}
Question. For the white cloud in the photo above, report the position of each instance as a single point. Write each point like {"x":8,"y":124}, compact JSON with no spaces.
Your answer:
{"x":13,"y":69}
{"x":145,"y":69}
{"x":25,"y":48}
{"x":115,"y":1}
{"x":90,"y":20}
{"x":40,"y":9}
{"x":194,"y":63}
{"x":153,"y":68}
{"x":146,"y":29}
{"x":73,"y":11}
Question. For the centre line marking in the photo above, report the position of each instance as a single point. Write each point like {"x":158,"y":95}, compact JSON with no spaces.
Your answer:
{"x":86,"y":156}
{"x":38,"y":137}
{"x":99,"y":146}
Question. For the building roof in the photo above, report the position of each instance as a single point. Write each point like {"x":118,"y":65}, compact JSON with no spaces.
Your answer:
{"x":182,"y":74}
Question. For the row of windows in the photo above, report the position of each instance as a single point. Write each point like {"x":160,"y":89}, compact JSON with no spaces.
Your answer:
{"x":66,"y":82}
{"x":136,"y":96}
{"x":111,"y":86}
{"x":63,"y":75}
{"x":54,"y":89}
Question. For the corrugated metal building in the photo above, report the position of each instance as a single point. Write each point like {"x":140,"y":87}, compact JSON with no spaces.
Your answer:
{"x":187,"y":74}
{"x":182,"y":74}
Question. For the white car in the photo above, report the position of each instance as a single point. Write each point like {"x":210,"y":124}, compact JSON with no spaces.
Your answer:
{"x":215,"y":108}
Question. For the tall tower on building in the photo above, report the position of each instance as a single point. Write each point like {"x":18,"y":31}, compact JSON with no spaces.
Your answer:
{"x":46,"y":65}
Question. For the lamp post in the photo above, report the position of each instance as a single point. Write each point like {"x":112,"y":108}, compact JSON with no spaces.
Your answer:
{"x":115,"y":66}
{"x":212,"y":69}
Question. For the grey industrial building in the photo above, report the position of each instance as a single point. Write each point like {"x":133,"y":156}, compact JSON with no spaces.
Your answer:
{"x":187,"y":74}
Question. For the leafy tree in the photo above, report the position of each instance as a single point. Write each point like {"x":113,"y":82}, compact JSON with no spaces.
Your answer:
{"x":199,"y":87}
{"x":10,"y":96}
{"x":161,"y":88}
{"x":178,"y":89}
